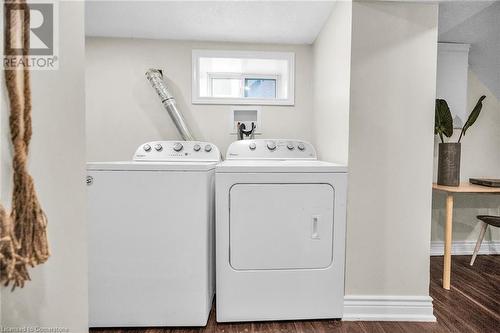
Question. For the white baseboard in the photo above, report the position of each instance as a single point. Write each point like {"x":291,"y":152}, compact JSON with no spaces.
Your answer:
{"x":465,"y":247}
{"x":388,"y":308}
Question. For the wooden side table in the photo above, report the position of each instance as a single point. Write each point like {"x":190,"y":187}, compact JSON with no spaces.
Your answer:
{"x":450,"y":191}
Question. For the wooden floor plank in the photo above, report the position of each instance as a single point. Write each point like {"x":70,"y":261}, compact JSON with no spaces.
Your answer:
{"x":373,"y":326}
{"x":471,"y":306}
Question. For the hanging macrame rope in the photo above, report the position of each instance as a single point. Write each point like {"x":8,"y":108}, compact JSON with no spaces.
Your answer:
{"x":8,"y":244}
{"x":8,"y":247}
{"x":29,"y":223}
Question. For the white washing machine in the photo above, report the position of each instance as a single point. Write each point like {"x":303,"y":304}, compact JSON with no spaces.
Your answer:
{"x":151,"y":236}
{"x":280,"y":233}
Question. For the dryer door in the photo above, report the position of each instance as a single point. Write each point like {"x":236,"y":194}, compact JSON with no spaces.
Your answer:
{"x":281,"y":226}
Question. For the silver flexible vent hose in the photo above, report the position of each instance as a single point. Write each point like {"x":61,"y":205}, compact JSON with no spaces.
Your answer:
{"x":155,"y":77}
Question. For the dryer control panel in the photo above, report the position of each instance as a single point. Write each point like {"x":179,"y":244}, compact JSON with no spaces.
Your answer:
{"x":182,"y":151}
{"x":271,"y":149}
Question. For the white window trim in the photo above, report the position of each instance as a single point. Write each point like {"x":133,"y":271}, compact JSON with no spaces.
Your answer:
{"x":195,"y":93}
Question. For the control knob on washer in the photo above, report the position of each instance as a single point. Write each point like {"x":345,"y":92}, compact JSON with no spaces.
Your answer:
{"x":301,"y":146}
{"x":208,"y":148}
{"x":196,"y":147}
{"x":178,"y":146}
{"x":290,"y":146}
{"x":158,"y":147}
{"x":252,"y":146}
{"x":146,"y":147}
{"x":271,"y":145}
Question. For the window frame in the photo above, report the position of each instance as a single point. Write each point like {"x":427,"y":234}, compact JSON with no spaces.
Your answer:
{"x":197,"y":99}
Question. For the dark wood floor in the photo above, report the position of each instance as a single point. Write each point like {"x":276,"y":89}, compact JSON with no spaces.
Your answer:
{"x":472,"y":305}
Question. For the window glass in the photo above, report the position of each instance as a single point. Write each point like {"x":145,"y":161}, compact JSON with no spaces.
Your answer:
{"x":226,"y":87}
{"x":261,"y":88}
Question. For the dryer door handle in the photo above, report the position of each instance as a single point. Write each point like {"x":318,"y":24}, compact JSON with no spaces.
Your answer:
{"x":315,"y":227}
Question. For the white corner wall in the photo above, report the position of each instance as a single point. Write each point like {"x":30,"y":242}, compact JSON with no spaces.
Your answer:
{"x":393,"y":81}
{"x":332,"y":71}
{"x":57,"y":294}
{"x":123,"y":111}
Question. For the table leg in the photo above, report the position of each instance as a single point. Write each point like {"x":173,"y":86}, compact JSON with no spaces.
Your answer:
{"x":447,"y":242}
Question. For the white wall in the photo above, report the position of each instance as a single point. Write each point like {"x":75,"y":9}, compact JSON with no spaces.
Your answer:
{"x":480,"y":158}
{"x":393,"y":80}
{"x":475,"y":23}
{"x":57,"y":294}
{"x":332,"y":70}
{"x":451,"y":77}
{"x":123,"y":111}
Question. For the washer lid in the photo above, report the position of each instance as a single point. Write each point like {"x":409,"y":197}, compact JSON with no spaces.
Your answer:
{"x":150,"y":166}
{"x":255,"y":166}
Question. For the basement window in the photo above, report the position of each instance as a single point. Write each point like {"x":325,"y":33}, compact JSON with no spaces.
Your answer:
{"x":242,"y":77}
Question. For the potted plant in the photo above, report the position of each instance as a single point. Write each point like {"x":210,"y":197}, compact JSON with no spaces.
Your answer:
{"x":449,"y":152}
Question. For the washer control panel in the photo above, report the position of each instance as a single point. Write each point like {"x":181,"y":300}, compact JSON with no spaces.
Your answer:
{"x":182,"y":151}
{"x":274,"y":149}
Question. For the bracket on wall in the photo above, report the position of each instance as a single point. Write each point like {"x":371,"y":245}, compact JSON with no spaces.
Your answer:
{"x":248,"y":116}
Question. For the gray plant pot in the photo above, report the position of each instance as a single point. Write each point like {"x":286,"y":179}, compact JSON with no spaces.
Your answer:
{"x":449,"y":164}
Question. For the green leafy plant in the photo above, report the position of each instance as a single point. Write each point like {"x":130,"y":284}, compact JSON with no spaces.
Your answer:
{"x":443,"y":120}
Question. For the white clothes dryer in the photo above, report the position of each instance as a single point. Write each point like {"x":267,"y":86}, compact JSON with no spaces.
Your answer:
{"x":280,"y":233}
